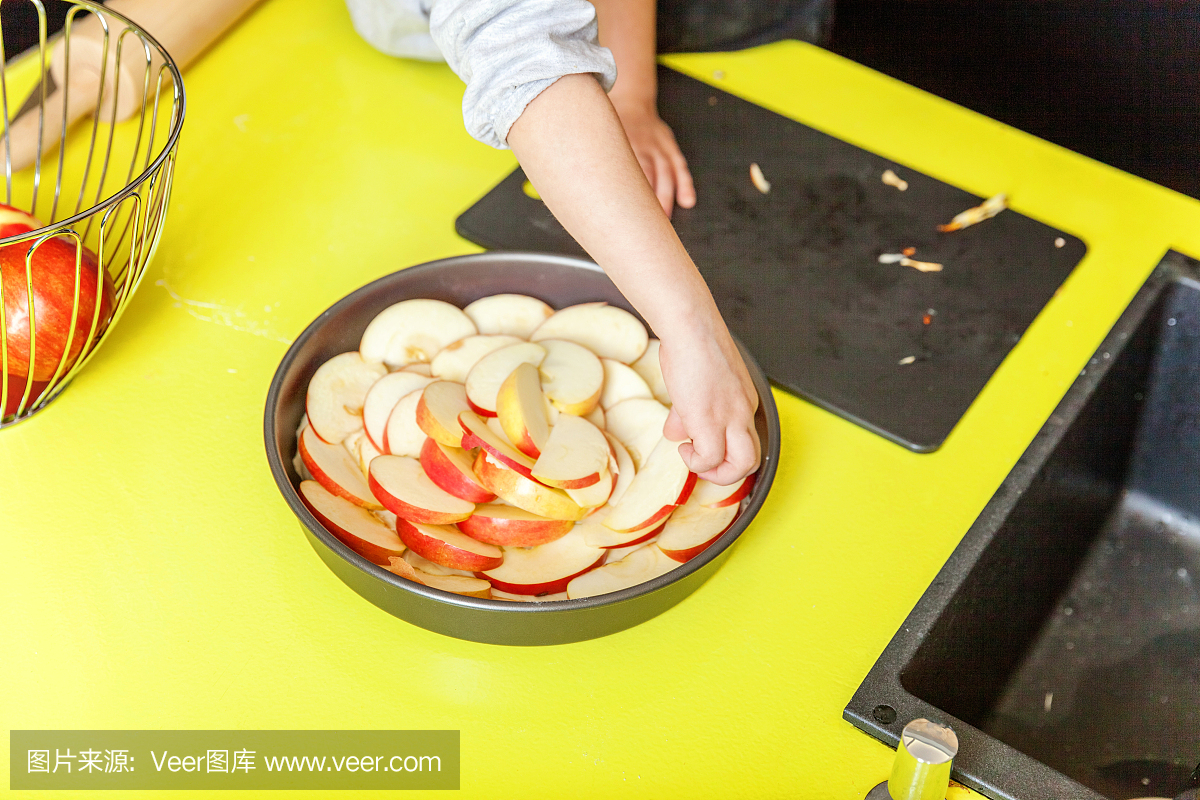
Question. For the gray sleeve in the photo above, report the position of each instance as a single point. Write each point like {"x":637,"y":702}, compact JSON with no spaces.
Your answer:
{"x":509,"y":51}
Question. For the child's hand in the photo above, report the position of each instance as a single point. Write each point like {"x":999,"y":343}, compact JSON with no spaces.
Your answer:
{"x":713,"y":404}
{"x":658,"y":154}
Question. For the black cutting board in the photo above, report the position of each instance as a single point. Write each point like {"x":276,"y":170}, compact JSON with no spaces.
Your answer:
{"x":796,"y":271}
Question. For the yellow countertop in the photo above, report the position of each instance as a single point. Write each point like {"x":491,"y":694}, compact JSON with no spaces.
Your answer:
{"x":151,"y":576}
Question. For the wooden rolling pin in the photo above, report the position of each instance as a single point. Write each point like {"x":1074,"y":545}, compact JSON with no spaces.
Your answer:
{"x":185,"y":28}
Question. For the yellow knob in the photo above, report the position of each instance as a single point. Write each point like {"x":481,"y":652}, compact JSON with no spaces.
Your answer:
{"x":922,"y":767}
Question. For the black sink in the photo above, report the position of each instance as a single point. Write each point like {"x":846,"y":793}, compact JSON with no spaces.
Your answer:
{"x":1061,"y":640}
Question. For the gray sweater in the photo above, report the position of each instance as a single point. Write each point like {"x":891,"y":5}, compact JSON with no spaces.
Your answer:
{"x":506,"y":51}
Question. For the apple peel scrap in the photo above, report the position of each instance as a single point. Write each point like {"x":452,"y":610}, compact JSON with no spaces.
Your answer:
{"x":973,"y":216}
{"x":506,"y":451}
{"x":904,"y":261}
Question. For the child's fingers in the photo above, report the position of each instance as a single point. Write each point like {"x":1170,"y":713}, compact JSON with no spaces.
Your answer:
{"x":674,"y":429}
{"x":705,"y":452}
{"x":685,"y":189}
{"x":741,"y":458}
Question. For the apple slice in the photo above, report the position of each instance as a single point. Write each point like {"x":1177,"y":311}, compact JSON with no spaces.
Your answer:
{"x":615,"y":554}
{"x":476,"y":433}
{"x":649,"y":367}
{"x":545,"y":569}
{"x":513,"y":527}
{"x":419,"y":368}
{"x":662,"y":483}
{"x":336,"y":393}
{"x":357,"y":528}
{"x":693,"y":527}
{"x":413,"y":331}
{"x":437,"y":413}
{"x":382,"y":398}
{"x":454,"y":362}
{"x":638,"y":424}
{"x":624,"y":471}
{"x":403,"y":436}
{"x":605,"y":330}
{"x":450,"y":469}
{"x":448,"y":546}
{"x":572,"y":376}
{"x":423,"y":564}
{"x":332,"y":466}
{"x":596,"y":417}
{"x":574,"y":455}
{"x":621,"y":383}
{"x":644,"y":564}
{"x":522,"y":492}
{"x":399,"y":483}
{"x":716,"y":496}
{"x":598,"y":534}
{"x":528,"y":598}
{"x":493,"y":424}
{"x":596,"y":495}
{"x":485,"y":378}
{"x":521,"y":408}
{"x":513,"y":314}
{"x":471,"y":587}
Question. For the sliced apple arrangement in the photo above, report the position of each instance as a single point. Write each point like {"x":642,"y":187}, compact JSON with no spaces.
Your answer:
{"x":506,"y":451}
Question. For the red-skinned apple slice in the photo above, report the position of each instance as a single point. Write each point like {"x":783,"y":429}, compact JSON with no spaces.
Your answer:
{"x":517,"y":490}
{"x":469,"y":586}
{"x":544,"y":569}
{"x":455,"y":361}
{"x":418,"y":368}
{"x":448,"y":546}
{"x":413,"y":331}
{"x":598,"y":535}
{"x":638,"y":424}
{"x":625,"y":470}
{"x":661,"y":484}
{"x":572,"y":377}
{"x":521,"y":409}
{"x":596,"y":417}
{"x":476,"y":433}
{"x":357,"y":528}
{"x":336,"y":393}
{"x":716,"y":496}
{"x":574,"y":456}
{"x":399,"y":483}
{"x":512,"y":314}
{"x":450,"y":469}
{"x":437,"y":413}
{"x":423,"y":564}
{"x":621,"y":383}
{"x":382,"y":398}
{"x":644,"y":564}
{"x":596,"y":495}
{"x":403,"y":436}
{"x":485,"y":378}
{"x":693,"y":527}
{"x":332,"y":466}
{"x":649,"y":367}
{"x":513,"y":527}
{"x":615,"y":554}
{"x":605,"y":330}
{"x":366,"y":454}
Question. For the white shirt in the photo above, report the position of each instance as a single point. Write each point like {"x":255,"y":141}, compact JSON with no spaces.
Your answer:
{"x":506,"y":51}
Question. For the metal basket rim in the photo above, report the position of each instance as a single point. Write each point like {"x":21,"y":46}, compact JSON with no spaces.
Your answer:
{"x":153,"y":167}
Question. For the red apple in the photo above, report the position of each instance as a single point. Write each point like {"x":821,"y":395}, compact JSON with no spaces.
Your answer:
{"x":450,"y":469}
{"x":448,"y":546}
{"x":357,"y":528}
{"x":663,"y":483}
{"x":16,"y":390}
{"x":404,"y":489}
{"x":332,"y":466}
{"x":545,"y":569}
{"x":508,"y":526}
{"x":517,"y":490}
{"x":693,"y":527}
{"x":54,"y":298}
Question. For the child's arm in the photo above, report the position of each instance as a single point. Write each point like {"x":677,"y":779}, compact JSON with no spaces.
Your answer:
{"x":572,"y":146}
{"x":627,"y":29}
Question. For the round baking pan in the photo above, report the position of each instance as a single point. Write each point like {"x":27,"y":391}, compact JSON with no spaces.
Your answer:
{"x":559,"y":281}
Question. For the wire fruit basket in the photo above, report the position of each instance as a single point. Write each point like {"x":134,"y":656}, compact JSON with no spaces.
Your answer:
{"x":88,"y":161}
